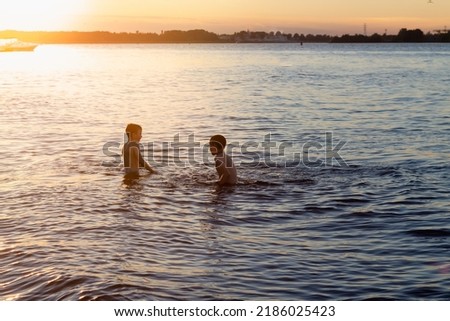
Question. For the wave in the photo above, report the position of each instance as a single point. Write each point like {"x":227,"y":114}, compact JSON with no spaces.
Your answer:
{"x":432,"y":233}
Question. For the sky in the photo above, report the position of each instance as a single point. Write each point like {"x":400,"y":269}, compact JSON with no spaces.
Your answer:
{"x":333,"y":17}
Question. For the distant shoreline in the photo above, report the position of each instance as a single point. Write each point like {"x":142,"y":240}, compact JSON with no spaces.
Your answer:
{"x":203,"y":36}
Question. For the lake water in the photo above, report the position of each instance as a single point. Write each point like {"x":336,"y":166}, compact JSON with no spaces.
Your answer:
{"x":342,"y":154}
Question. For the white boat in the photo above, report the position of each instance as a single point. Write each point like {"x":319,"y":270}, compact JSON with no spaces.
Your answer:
{"x":16,"y":45}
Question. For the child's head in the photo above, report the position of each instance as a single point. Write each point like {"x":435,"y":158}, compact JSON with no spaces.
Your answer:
{"x":217,"y":144}
{"x":134,"y":132}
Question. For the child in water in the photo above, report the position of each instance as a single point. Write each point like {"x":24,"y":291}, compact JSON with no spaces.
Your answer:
{"x":132,"y":155}
{"x":224,"y":164}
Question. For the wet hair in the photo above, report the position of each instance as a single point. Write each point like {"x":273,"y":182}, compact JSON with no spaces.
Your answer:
{"x":132,"y":128}
{"x":218,"y":141}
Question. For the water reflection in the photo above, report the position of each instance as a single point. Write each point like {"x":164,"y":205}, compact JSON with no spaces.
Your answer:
{"x":135,"y":181}
{"x":132,"y":183}
{"x":221,"y":194}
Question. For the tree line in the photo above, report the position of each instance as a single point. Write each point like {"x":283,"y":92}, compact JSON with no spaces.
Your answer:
{"x":69,"y":37}
{"x":404,"y":35}
{"x":203,"y":36}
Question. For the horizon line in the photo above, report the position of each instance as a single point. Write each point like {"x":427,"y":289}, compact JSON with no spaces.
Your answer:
{"x":194,"y":29}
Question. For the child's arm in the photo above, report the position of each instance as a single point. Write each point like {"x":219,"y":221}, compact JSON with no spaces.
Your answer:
{"x":222,"y":171}
{"x":143,"y":163}
{"x":223,"y":178}
{"x":134,"y":158}
{"x":149,"y":168}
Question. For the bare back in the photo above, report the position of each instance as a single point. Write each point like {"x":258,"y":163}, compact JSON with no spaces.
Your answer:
{"x":226,"y":169}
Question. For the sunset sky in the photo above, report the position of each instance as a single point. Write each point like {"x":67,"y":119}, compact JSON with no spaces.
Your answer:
{"x":226,"y":16}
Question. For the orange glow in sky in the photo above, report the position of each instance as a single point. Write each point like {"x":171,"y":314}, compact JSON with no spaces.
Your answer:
{"x":226,"y":16}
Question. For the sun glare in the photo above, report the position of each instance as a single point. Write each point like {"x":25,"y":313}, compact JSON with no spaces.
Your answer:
{"x":40,"y":14}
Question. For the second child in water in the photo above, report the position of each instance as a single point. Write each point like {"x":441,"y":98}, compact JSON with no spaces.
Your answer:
{"x":224,"y":164}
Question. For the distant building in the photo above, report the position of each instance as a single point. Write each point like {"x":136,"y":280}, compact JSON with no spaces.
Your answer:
{"x":260,"y":36}
{"x":278,"y":37}
{"x":226,"y":38}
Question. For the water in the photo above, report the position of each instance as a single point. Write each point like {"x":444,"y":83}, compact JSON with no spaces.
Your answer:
{"x":369,"y":221}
